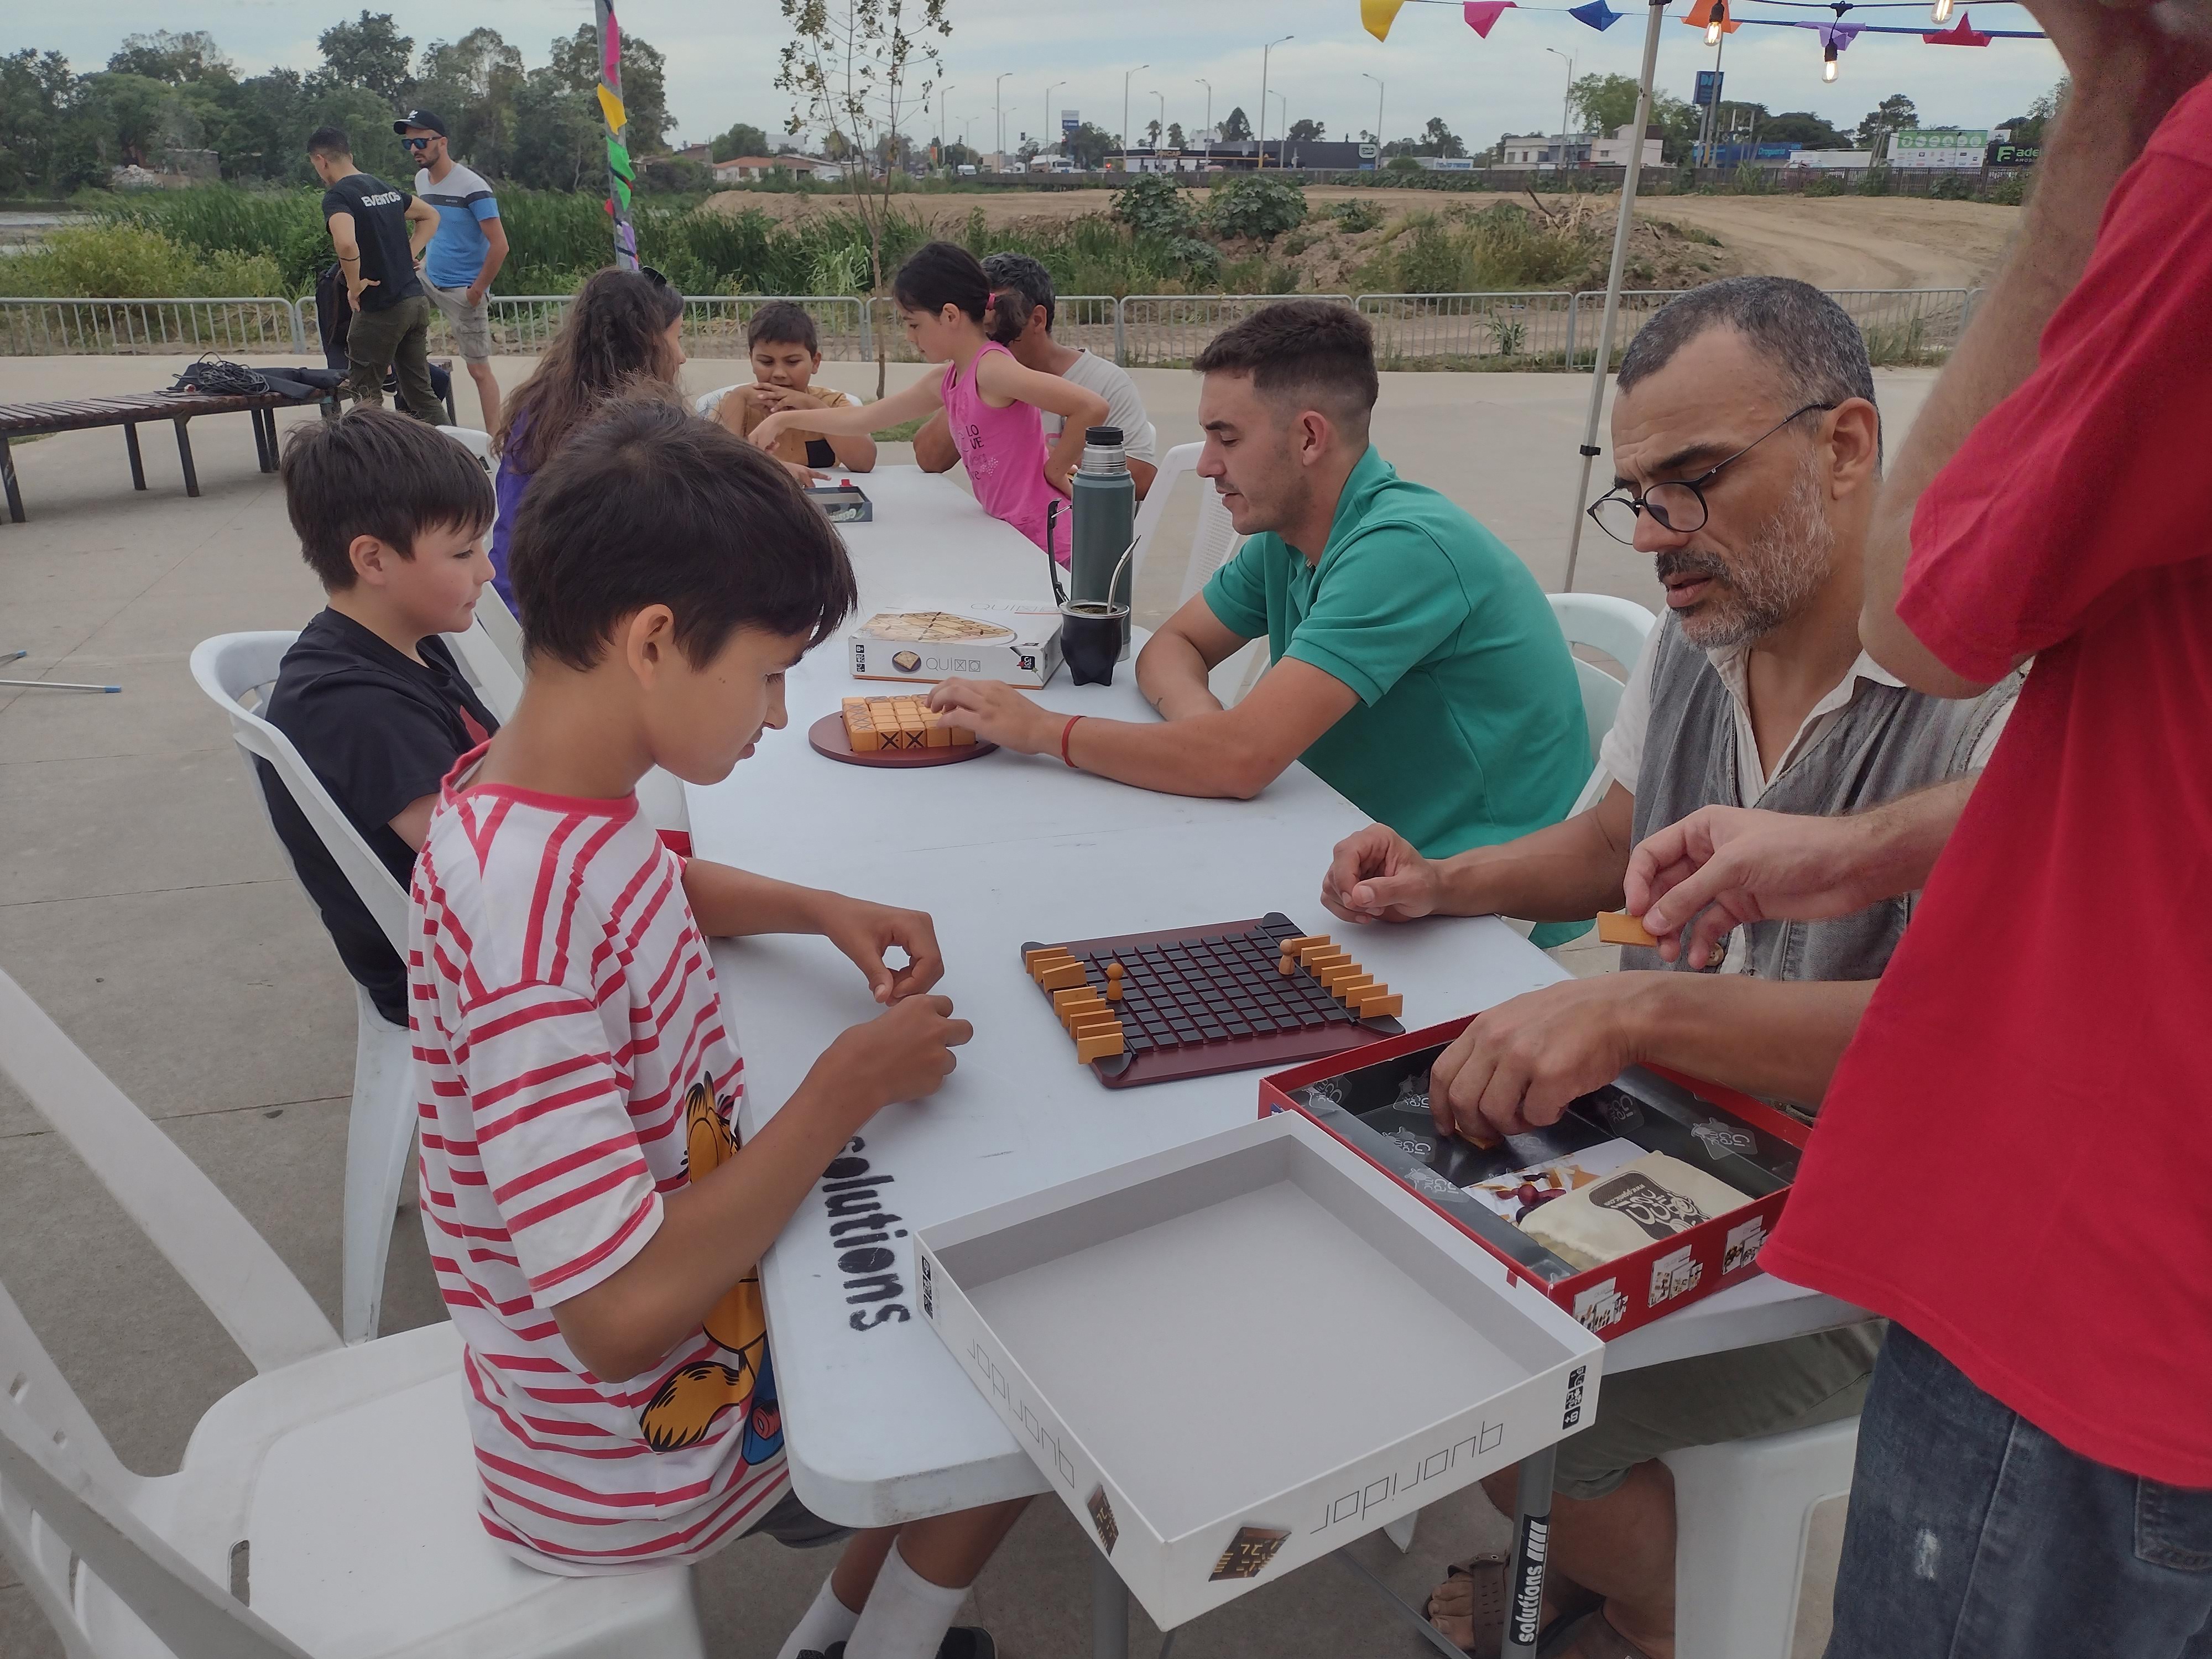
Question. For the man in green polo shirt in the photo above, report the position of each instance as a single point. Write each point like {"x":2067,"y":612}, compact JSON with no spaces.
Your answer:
{"x":1415,"y":665}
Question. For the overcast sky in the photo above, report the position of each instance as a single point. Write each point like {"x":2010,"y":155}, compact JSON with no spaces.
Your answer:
{"x":723,"y":54}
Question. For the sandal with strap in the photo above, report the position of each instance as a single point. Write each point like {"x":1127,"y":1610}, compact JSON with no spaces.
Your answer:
{"x":1480,"y":1632}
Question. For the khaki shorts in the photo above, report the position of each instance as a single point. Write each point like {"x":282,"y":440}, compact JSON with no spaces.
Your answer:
{"x":471,"y":324}
{"x":1712,"y":1398}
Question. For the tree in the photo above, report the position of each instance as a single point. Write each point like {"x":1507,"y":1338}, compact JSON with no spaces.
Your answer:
{"x":370,"y":53}
{"x":2028,"y":128}
{"x":1441,"y":139}
{"x":174,"y":59}
{"x":560,"y":137}
{"x":1088,"y":146}
{"x":1801,"y":126}
{"x":957,"y":156}
{"x":1152,"y":132}
{"x":847,"y":69}
{"x":644,"y":83}
{"x":1896,"y":112}
{"x":743,"y":139}
{"x":476,"y":83}
{"x":1176,"y":140}
{"x":1235,"y":128}
{"x":1305,"y":131}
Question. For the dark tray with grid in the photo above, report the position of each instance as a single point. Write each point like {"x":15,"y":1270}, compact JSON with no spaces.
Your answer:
{"x":1200,"y":1000}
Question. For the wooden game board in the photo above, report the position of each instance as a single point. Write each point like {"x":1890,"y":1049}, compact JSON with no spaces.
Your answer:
{"x":894,"y":731}
{"x":1199,"y":1000}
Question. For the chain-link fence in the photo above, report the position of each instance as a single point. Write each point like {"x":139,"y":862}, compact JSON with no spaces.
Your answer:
{"x":40,"y":328}
{"x":1470,"y":331}
{"x":1904,"y":327}
{"x":1167,"y":330}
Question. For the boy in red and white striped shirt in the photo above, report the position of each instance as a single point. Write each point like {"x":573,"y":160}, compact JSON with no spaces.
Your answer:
{"x":593,"y":1222}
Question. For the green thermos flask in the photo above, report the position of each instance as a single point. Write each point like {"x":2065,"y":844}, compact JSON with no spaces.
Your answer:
{"x":1105,"y":509}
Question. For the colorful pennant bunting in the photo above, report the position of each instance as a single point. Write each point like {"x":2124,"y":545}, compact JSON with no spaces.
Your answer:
{"x":1960,"y":33}
{"x":1596,"y":14}
{"x":1377,"y":15}
{"x":1701,"y":16}
{"x":618,"y":161}
{"x":611,"y":107}
{"x":1838,"y":35}
{"x":1482,"y":16}
{"x":610,"y":52}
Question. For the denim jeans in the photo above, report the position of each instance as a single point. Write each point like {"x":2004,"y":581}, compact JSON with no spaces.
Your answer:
{"x":1973,"y":1534}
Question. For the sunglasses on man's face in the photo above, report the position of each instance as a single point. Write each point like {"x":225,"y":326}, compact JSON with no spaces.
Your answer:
{"x":415,"y":144}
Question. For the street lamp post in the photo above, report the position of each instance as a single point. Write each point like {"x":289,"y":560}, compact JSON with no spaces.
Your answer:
{"x":999,"y":121}
{"x":1045,"y":131}
{"x":1208,"y":85}
{"x":1565,"y":100}
{"x":945,"y":113}
{"x":1282,"y":141}
{"x":1125,"y":73}
{"x":1264,"y":51}
{"x":1161,"y":121}
{"x":1379,"y":90}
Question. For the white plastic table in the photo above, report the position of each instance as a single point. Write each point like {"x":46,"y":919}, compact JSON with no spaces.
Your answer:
{"x":880,"y":1424}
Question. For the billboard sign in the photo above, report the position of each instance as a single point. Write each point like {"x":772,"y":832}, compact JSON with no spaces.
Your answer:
{"x":1069,"y":121}
{"x":1938,"y":147}
{"x":1709,"y":88}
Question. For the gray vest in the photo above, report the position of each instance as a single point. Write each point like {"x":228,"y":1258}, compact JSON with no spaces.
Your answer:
{"x":1888,"y":741}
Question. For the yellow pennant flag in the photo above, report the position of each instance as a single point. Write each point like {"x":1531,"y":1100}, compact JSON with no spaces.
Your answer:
{"x":1378,"y":16}
{"x":611,"y":106}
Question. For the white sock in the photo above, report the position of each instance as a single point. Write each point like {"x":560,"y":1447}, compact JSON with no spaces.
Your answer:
{"x":828,"y":1620}
{"x":906,"y":1617}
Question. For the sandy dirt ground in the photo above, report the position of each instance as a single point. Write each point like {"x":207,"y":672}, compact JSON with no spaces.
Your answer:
{"x":1837,"y":241}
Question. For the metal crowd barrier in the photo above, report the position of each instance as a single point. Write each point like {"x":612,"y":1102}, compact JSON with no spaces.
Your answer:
{"x":1538,"y":329}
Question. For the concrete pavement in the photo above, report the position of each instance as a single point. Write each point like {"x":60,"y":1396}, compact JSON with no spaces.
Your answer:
{"x":144,"y":904}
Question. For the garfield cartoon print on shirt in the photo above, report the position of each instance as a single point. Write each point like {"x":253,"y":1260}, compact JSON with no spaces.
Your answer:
{"x":693,"y":1397}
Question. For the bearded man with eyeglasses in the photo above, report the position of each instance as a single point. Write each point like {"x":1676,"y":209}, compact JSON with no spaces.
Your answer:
{"x":1747,"y":455}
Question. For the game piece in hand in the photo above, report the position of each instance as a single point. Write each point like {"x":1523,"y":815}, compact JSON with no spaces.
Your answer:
{"x":1619,"y":927}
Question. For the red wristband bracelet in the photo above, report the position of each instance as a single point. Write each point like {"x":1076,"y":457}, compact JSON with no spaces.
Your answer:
{"x":1066,"y":732}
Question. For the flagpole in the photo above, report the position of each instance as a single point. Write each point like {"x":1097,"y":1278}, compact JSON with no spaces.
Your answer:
{"x":620,"y":172}
{"x":1590,"y":452}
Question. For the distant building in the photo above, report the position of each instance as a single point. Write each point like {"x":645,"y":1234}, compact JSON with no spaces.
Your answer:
{"x":1614,"y":152}
{"x":702,"y":153}
{"x":1545,"y":152}
{"x":1290,"y":155}
{"x":1938,"y":147}
{"x":743,"y":169}
{"x":1830,"y":158}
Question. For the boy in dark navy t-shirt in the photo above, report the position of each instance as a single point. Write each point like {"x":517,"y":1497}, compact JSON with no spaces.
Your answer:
{"x":390,"y":516}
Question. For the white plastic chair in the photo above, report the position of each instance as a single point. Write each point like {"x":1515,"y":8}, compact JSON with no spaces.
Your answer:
{"x":326,"y":1507}
{"x":1743,"y":1513}
{"x":496,"y":676}
{"x":477,"y":441}
{"x":380,"y":1125}
{"x":1213,"y":542}
{"x":493,"y":618}
{"x":1619,"y":628}
{"x":707,"y":402}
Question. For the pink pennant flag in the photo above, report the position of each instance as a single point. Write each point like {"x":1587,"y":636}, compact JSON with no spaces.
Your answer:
{"x":610,"y":66}
{"x":1482,"y":16}
{"x":1961,"y":34}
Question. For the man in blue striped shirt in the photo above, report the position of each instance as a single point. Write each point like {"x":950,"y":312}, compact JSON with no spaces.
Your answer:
{"x":467,"y":252}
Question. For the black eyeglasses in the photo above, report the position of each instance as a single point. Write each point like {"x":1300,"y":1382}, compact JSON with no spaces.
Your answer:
{"x":415,"y":144}
{"x":1680,"y":505}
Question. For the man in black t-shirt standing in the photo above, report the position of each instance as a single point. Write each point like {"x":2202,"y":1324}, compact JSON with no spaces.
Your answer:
{"x":379,"y":231}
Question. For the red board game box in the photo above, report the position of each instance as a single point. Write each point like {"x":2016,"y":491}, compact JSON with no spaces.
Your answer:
{"x":1375,"y":1100}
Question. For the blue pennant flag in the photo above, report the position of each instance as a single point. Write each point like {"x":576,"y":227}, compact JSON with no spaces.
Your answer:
{"x":1596,"y":14}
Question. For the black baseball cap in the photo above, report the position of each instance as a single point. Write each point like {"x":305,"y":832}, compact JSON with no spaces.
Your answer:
{"x":423,"y":119}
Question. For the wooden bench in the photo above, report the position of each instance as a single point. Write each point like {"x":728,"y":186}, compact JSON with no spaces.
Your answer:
{"x":130,"y":412}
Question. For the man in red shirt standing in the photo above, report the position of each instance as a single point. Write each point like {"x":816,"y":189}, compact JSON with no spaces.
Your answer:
{"x":2015,"y":1160}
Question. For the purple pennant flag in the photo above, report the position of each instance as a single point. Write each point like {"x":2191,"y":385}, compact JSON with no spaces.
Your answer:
{"x":1596,"y":14}
{"x":1839,"y":36}
{"x":1483,"y":15}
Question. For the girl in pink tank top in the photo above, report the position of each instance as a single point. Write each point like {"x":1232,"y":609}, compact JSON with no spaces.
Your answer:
{"x":991,"y":402}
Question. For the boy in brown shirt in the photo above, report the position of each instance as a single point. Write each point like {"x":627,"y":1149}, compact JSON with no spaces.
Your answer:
{"x":786,"y":353}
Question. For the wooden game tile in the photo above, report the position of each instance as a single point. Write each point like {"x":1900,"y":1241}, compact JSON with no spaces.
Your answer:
{"x":1066,"y":998}
{"x":1292,"y":946}
{"x":1346,"y":990}
{"x":1032,"y":958}
{"x":1334,"y":974}
{"x":1101,"y":1047}
{"x":1377,"y":1007}
{"x":1081,"y":1011}
{"x":1061,"y":975}
{"x":1320,"y":947}
{"x":1315,"y":961}
{"x":1619,"y":927}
